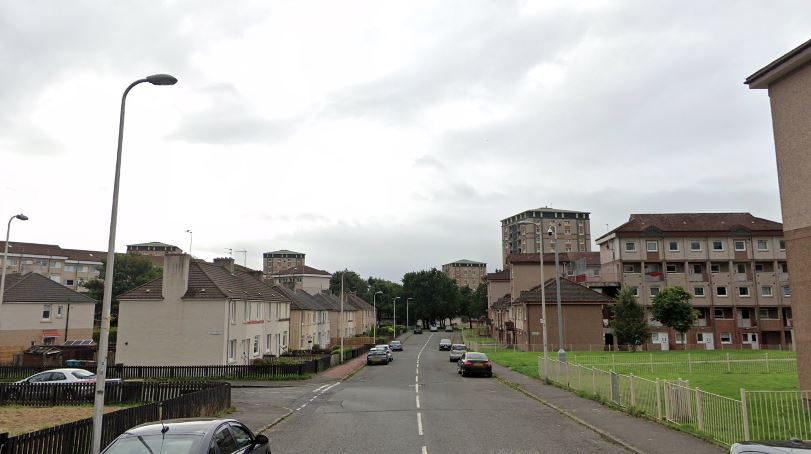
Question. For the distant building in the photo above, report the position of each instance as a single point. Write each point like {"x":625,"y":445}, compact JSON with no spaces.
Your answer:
{"x":310,"y":319}
{"x":302,"y":277}
{"x":733,"y":264}
{"x":466,"y":273}
{"x":281,"y":260}
{"x":39,"y":311}
{"x":69,"y":267}
{"x":526,"y":232}
{"x":155,"y":250}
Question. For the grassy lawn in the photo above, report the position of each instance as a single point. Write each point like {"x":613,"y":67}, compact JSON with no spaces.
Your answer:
{"x":17,"y":420}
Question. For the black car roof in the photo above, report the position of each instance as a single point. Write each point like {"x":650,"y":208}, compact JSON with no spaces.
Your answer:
{"x":197,"y":426}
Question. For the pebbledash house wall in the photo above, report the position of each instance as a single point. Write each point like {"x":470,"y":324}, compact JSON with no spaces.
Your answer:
{"x":22,"y":325}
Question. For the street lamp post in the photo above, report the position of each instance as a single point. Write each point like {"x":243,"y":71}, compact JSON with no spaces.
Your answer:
{"x":341,"y":322}
{"x":191,"y":237}
{"x":395,"y":315}
{"x":553,"y":231}
{"x":374,"y":326}
{"x":21,"y":217}
{"x":539,"y":229}
{"x":407,"y":300}
{"x":104,"y":332}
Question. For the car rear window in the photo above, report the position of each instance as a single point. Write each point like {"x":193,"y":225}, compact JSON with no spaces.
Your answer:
{"x":476,"y":356}
{"x":395,"y":342}
{"x":458,"y":347}
{"x":83,"y":374}
{"x":169,"y":444}
{"x":445,"y":341}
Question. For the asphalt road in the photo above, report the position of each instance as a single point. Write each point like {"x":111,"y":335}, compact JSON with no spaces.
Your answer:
{"x":419,"y":404}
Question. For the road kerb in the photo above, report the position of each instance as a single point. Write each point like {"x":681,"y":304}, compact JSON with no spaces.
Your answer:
{"x":276,"y":421}
{"x":571,"y":416}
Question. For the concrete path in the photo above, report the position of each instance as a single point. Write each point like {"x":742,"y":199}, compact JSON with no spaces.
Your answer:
{"x":636,"y":434}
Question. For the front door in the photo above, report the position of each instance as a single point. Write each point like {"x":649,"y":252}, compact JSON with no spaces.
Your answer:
{"x":664,"y":340}
{"x":709,"y":341}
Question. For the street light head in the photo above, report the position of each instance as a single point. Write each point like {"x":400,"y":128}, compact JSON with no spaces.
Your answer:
{"x":379,"y":292}
{"x":21,"y":217}
{"x":161,"y":79}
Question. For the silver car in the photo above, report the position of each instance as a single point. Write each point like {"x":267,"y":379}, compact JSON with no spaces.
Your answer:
{"x":388,"y":351}
{"x":457,"y":350}
{"x":771,"y":447}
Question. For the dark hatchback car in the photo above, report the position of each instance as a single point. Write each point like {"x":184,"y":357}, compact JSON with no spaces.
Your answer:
{"x":377,"y":356}
{"x":418,"y":330}
{"x":190,"y":436}
{"x":396,"y":346}
{"x":475,"y":363}
{"x":445,"y":344}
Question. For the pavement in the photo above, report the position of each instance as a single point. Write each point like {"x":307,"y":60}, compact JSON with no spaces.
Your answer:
{"x":637,"y":434}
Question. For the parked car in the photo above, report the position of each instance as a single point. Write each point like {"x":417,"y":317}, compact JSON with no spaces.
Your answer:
{"x":445,"y":344}
{"x":388,"y":351}
{"x":448,"y":328}
{"x":377,"y":356}
{"x":771,"y":447}
{"x":418,"y":330}
{"x":475,"y":363}
{"x":396,"y":346}
{"x":65,"y":376}
{"x":433,"y":328}
{"x":457,"y":350}
{"x":190,"y":436}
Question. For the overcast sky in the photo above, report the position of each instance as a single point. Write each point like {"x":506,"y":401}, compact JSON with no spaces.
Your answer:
{"x":376,"y":136}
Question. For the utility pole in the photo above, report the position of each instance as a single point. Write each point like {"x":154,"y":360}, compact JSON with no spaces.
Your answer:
{"x":553,"y":230}
{"x":341,"y":322}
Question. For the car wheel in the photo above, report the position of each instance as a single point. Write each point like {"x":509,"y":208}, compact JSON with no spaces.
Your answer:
{"x":368,"y":363}
{"x":464,"y":374}
{"x":489,"y":375}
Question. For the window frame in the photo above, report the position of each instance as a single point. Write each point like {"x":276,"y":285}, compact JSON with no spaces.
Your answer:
{"x":47,"y":310}
{"x":743,"y":294}
{"x":735,"y":245}
{"x":652,"y":294}
{"x":650,"y":243}
{"x":765,"y":248}
{"x":764,"y":294}
{"x":719,"y":287}
{"x":703,"y":292}
{"x":631,"y":243}
{"x":693,"y":243}
{"x":728,"y":338}
{"x":670,"y":246}
{"x":721,"y":242}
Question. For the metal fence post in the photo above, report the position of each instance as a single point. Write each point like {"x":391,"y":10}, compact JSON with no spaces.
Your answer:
{"x":699,"y":410}
{"x":744,"y":415}
{"x":767,"y":362}
{"x":689,"y":363}
{"x":658,"y":400}
{"x":666,"y":388}
{"x":593,"y":382}
{"x":615,"y":388}
{"x":729,"y":365}
{"x":651,"y":362}
{"x":633,"y":397}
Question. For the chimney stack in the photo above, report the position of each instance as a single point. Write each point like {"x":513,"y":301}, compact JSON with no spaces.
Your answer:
{"x":175,"y":275}
{"x":225,"y":262}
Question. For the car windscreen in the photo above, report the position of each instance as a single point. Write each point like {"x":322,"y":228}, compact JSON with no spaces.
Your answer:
{"x":458,"y":347}
{"x":445,"y":341}
{"x":377,"y":352}
{"x":82,"y":374}
{"x":476,"y":356}
{"x":395,"y":342}
{"x":154,"y":444}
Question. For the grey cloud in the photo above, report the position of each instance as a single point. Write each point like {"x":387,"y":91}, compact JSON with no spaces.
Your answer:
{"x":429,"y":162}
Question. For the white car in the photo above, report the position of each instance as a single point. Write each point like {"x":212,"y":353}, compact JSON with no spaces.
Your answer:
{"x":433,"y":328}
{"x":61,"y":376}
{"x":388,"y":351}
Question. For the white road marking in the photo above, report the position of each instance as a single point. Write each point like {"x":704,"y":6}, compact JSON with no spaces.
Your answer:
{"x":424,"y":450}
{"x":320,"y":388}
{"x":418,"y":401}
{"x":417,"y":388}
{"x":416,"y":379}
{"x":419,"y":423}
{"x":329,"y":387}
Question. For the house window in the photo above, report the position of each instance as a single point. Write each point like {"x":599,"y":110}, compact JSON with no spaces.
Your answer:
{"x":232,"y":311}
{"x":48,"y":340}
{"x":783,"y":267}
{"x":626,"y":268}
{"x":671,"y":267}
{"x":758,"y":267}
{"x":749,"y":338}
{"x":719,"y":313}
{"x":696,"y":268}
{"x":717,"y":245}
{"x":726,"y":338}
{"x":698,"y":291}
{"x":56,"y":264}
{"x":679,"y":338}
{"x":258,"y":315}
{"x":743,"y":292}
{"x":703,"y":338}
{"x":654,"y":291}
{"x":782,"y":245}
{"x":652,"y":246}
{"x":740,"y":245}
{"x":766,"y":290}
{"x":46,"y":312}
{"x":673,"y":246}
{"x":67,"y":267}
{"x":740,"y":268}
{"x":695,"y":246}
{"x":635,"y":291}
{"x":715,"y":268}
{"x":762,"y":245}
{"x":232,"y":349}
{"x":255,"y":345}
{"x":786,"y":290}
{"x":246,"y":311}
{"x":630,"y":246}
{"x":721,"y":291}
{"x":654,"y":338}
{"x":69,"y":282}
{"x":59,"y":311}
{"x":284,"y":339}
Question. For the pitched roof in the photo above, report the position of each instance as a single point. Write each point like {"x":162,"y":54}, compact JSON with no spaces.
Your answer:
{"x":303,"y":301}
{"x":466,"y":262}
{"x":570,"y":292}
{"x":153,"y":243}
{"x":697,"y":222}
{"x":36,"y":288}
{"x":208,"y":281}
{"x":53,"y":250}
{"x":503,"y":275}
{"x":781,"y":67}
{"x":592,"y":258}
{"x":301,"y":269}
{"x":284,"y":251}
{"x":358,"y":302}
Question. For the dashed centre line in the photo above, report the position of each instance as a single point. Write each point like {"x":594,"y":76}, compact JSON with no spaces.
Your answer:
{"x":320,"y":390}
{"x":419,"y":423}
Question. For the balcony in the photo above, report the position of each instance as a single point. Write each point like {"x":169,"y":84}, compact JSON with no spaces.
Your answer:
{"x":741,"y":277}
{"x":702,"y":322}
{"x":783,"y":277}
{"x":745,"y":323}
{"x":696,"y":278}
{"x":653,"y":277}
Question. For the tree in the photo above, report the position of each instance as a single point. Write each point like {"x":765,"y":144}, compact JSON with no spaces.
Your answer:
{"x":384,"y":301}
{"x":629,"y":322}
{"x":672,"y":308}
{"x":129,"y":271}
{"x":435,"y":295}
{"x":352,"y":283}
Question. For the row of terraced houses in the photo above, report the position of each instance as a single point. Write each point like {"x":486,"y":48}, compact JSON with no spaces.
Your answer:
{"x":733,"y":265}
{"x":195,"y":313}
